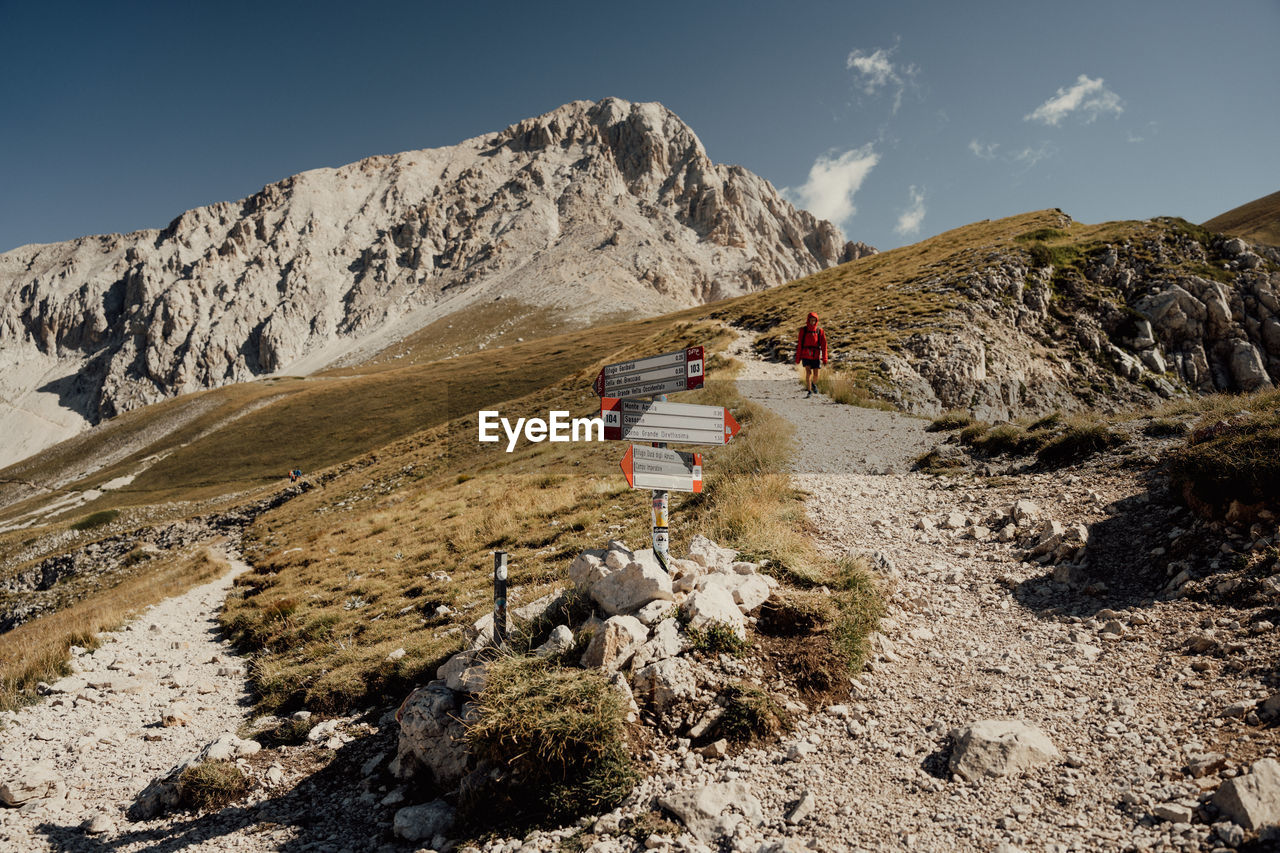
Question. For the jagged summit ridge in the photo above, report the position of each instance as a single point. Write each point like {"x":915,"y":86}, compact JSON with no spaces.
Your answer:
{"x":592,"y":209}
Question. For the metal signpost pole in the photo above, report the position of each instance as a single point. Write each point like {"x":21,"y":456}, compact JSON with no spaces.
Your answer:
{"x":499,"y":598}
{"x":661,"y":533}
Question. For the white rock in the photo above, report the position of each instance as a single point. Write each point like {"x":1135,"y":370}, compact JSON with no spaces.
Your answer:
{"x":560,"y":641}
{"x":424,"y":822}
{"x":751,"y":593}
{"x":700,"y":809}
{"x":587,"y":568}
{"x":709,"y":554}
{"x":1024,"y":513}
{"x":665,"y":682}
{"x":1253,"y":799}
{"x":35,"y":782}
{"x":612,"y":646}
{"x":632,"y":587}
{"x":992,"y":748}
{"x":712,"y":605}
{"x":666,"y":642}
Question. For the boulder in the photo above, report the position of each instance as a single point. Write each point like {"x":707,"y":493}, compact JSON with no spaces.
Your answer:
{"x":1024,"y":513}
{"x":587,"y":568}
{"x":432,"y":733}
{"x":560,"y":641}
{"x":1253,"y":799}
{"x":424,"y":822}
{"x":994,"y":748}
{"x":706,"y":607}
{"x":612,"y":646}
{"x":665,"y":683}
{"x":666,"y":642}
{"x":710,"y":555}
{"x":632,"y":587}
{"x":701,"y":809}
{"x":35,"y":782}
{"x":228,"y":747}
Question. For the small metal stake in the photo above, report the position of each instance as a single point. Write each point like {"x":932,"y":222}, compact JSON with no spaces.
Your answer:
{"x":499,"y":598}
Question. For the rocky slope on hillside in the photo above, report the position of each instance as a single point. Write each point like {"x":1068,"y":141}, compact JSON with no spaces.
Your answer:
{"x":593,"y":209}
{"x":1161,"y":311}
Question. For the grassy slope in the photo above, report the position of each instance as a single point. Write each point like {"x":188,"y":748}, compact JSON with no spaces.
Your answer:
{"x":1259,"y":220}
{"x":344,"y":572}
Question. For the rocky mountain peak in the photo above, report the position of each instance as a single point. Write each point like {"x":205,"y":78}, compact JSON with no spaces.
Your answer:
{"x":593,"y":210}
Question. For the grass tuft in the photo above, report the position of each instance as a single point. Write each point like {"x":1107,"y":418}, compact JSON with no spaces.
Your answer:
{"x":949,"y":420}
{"x":559,"y":736}
{"x":751,"y":714}
{"x":1081,"y":439}
{"x":211,"y":785}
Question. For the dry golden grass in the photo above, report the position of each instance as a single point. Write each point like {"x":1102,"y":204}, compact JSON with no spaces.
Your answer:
{"x":39,"y":650}
{"x":344,"y":574}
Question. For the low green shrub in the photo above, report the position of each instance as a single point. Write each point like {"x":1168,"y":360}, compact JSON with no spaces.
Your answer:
{"x":949,"y":420}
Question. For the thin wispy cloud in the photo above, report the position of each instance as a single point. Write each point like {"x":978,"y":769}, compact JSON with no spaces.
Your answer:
{"x":1088,"y":97}
{"x":1030,"y":156}
{"x":833,"y":181}
{"x":910,"y":219}
{"x":983,"y":151}
{"x":876,"y":71}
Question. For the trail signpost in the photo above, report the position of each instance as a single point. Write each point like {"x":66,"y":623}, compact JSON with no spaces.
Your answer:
{"x":646,"y":420}
{"x":681,"y":370}
{"x":629,"y":419}
{"x":662,"y":469}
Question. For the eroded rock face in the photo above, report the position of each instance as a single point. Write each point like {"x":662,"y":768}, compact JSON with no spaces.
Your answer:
{"x":1137,"y":321}
{"x":594,"y":207}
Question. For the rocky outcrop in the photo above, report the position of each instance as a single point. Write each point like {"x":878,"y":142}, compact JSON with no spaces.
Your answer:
{"x":641,"y":644}
{"x":593,"y":209}
{"x":1159,"y":313}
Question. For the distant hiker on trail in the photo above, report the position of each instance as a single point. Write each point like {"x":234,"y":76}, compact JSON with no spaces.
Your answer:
{"x":295,"y":475}
{"x":811,"y":350}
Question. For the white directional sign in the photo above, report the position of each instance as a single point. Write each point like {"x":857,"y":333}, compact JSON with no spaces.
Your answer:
{"x":658,"y":374}
{"x":659,"y":468}
{"x":683,"y":423}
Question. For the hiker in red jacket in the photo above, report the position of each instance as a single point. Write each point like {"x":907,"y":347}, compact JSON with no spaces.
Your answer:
{"x":811,"y":350}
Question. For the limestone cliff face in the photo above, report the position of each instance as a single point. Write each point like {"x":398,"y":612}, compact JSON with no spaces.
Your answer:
{"x":1162,"y":312}
{"x":594,"y":209}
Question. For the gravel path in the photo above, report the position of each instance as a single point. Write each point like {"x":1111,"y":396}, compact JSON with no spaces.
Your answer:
{"x":101,"y":732}
{"x":973,"y":632}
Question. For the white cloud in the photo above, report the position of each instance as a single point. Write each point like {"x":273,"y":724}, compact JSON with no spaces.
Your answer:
{"x":1089,"y":97}
{"x":909,"y":220}
{"x":875,"y":71}
{"x":983,"y":152}
{"x":833,"y":181}
{"x":1030,"y":156}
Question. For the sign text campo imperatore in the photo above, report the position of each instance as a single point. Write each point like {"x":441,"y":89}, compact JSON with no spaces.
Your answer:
{"x":558,"y":427}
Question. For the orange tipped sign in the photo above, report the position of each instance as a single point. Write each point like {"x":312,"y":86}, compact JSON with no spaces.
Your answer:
{"x":659,"y":468}
{"x":682,"y":423}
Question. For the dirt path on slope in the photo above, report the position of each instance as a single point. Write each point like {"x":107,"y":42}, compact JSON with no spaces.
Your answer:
{"x":100,"y":729}
{"x":976,"y":633}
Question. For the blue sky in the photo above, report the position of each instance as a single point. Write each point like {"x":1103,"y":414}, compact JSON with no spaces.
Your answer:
{"x":898,"y":120}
